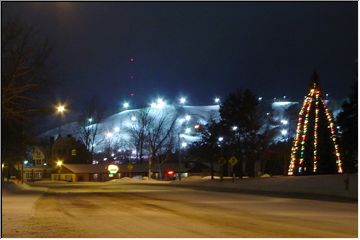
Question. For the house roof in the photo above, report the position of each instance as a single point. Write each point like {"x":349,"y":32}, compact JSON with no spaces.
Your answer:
{"x":86,"y":168}
{"x":92,"y":168}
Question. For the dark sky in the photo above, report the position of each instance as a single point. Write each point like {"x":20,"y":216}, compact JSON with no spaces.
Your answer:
{"x":200,"y":50}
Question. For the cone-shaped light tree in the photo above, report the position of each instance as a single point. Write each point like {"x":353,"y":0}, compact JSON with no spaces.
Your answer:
{"x":315,"y":149}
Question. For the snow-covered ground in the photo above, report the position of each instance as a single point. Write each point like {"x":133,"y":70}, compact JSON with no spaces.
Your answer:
{"x":152,"y":210}
{"x":118,"y":125}
{"x":322,"y":186}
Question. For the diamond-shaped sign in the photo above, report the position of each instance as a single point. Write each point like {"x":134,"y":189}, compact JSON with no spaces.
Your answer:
{"x":130,"y":166}
{"x":233,"y":160}
{"x":222,"y":161}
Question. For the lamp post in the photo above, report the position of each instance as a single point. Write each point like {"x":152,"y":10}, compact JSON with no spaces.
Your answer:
{"x":220,"y":140}
{"x":2,"y":172}
{"x":179,"y":157}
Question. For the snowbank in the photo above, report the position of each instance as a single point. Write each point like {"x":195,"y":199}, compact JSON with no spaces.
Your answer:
{"x":320,"y":185}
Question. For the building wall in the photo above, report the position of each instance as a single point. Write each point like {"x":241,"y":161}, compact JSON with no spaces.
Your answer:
{"x":70,"y":177}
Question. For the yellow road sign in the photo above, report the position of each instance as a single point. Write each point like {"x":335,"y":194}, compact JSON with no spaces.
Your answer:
{"x":222,"y":160}
{"x":130,"y":166}
{"x":233,"y":160}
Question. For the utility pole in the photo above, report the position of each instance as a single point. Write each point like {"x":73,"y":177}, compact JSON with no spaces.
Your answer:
{"x":22,"y":173}
{"x":179,"y":156}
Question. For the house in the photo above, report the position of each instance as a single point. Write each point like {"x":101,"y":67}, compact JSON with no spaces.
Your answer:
{"x":82,"y":173}
{"x":69,"y":150}
{"x":37,"y":168}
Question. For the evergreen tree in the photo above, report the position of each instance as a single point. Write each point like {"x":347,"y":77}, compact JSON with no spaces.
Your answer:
{"x":348,"y":122}
{"x":240,"y":122}
{"x":315,"y":149}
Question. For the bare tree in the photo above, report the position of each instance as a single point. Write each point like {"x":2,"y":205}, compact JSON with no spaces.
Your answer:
{"x":25,"y":80}
{"x":24,"y":70}
{"x":160,"y":136}
{"x":138,"y":132}
{"x":88,"y":123}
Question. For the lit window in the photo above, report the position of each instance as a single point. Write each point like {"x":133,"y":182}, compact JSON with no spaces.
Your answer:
{"x":73,"y":152}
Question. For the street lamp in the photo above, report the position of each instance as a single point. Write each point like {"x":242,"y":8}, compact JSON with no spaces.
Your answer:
{"x":61,"y":109}
{"x":59,"y":164}
{"x":160,"y":103}
{"x":217,"y":100}
{"x":90,"y":120}
{"x":108,"y":135}
{"x":182,"y":100}
{"x":283,"y":121}
{"x":221,"y":139}
{"x":126,"y":105}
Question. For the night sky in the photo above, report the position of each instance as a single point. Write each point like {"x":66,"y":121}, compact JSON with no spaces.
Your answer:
{"x":200,"y":50}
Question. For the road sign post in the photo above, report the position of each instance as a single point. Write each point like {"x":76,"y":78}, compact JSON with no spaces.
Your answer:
{"x":130,"y":167}
{"x":221,"y":161}
{"x":233,"y":160}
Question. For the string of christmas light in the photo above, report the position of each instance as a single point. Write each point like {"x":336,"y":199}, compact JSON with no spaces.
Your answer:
{"x":305,"y":127}
{"x":315,"y":130}
{"x":331,"y":125}
{"x":296,"y":139}
{"x":298,"y":163}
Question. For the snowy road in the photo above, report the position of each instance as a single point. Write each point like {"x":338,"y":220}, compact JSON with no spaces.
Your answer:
{"x":131,"y":210}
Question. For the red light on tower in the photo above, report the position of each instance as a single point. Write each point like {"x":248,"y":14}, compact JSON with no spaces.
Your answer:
{"x":170,"y":172}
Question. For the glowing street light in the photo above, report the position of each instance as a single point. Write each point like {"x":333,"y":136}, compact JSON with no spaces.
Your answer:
{"x":183,"y":144}
{"x":90,"y":120}
{"x":61,"y":109}
{"x":259,"y":98}
{"x":234,"y":128}
{"x":126,"y":105}
{"x":108,"y":135}
{"x":59,"y":163}
{"x":221,"y":139}
{"x":182,"y":100}
{"x":26,"y":162}
{"x":283,"y":121}
{"x":160,"y":103}
{"x":284,"y":132}
{"x":217,"y":100}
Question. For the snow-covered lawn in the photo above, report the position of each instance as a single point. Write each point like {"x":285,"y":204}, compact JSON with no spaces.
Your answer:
{"x":329,"y":185}
{"x":320,"y":185}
